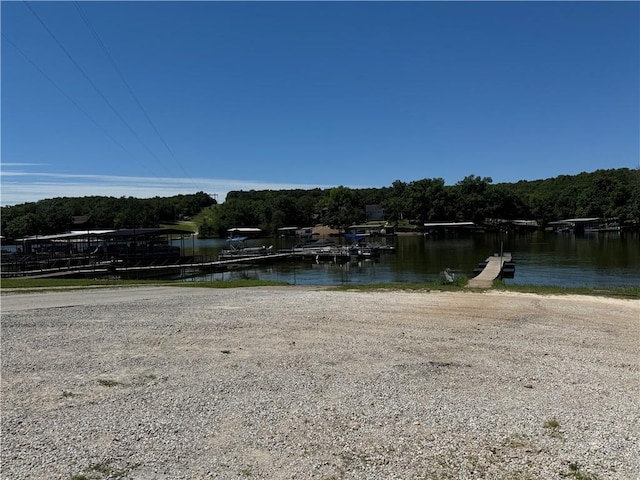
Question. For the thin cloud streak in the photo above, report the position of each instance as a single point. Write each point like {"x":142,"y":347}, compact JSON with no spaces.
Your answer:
{"x":23,"y":187}
{"x":4,"y":164}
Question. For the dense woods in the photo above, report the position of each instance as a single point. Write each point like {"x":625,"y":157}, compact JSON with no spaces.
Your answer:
{"x":58,"y":215}
{"x":613,"y":193}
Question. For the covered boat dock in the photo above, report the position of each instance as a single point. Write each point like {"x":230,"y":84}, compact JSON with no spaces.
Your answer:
{"x":439,"y":228}
{"x":79,"y":249}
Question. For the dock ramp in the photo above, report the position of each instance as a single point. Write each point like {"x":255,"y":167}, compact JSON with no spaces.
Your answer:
{"x":490,"y":272}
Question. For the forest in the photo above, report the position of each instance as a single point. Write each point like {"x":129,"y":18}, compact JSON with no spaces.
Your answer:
{"x":611,"y":194}
{"x":64,"y":214}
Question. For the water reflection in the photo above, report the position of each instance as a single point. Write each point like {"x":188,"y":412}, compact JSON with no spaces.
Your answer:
{"x":542,"y":258}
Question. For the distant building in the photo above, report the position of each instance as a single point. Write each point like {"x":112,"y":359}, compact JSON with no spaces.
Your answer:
{"x":374,"y":213}
{"x":81,"y":220}
{"x":250,"y":232}
{"x":372,"y":228}
{"x":287,"y":231}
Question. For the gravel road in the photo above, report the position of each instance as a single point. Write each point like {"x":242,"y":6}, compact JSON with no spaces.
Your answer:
{"x":307,"y":383}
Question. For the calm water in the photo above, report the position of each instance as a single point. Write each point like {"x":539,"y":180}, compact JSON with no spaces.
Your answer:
{"x":542,"y":258}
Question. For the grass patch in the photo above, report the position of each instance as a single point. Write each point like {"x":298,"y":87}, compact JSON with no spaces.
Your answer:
{"x":519,"y":441}
{"x":553,"y":428}
{"x":619,"y":292}
{"x":246,"y":472}
{"x":577,"y":474}
{"x":615,"y":292}
{"x":40,"y":284}
{"x":418,"y":286}
{"x":553,"y":423}
{"x":51,"y":283}
{"x":105,"y":382}
{"x":187,"y":226}
{"x":105,"y":469}
{"x":102,"y":467}
{"x":233,"y":284}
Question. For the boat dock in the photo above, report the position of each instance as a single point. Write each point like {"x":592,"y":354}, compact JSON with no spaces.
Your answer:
{"x":230,"y":260}
{"x":108,"y":268}
{"x":490,"y":272}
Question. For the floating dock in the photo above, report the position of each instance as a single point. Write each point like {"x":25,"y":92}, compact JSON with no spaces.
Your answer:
{"x":108,"y":268}
{"x":490,"y":272}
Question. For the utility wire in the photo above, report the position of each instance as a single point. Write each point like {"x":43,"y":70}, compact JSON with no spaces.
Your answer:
{"x":93,"y":84}
{"x":124,"y":81}
{"x":62,"y":91}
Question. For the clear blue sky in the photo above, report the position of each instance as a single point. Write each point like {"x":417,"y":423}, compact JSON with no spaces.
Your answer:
{"x":221,"y":96}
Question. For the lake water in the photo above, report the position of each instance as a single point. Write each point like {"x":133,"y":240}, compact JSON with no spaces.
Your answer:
{"x":610,"y":259}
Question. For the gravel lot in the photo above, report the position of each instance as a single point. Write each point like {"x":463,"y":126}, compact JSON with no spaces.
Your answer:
{"x":302,"y":382}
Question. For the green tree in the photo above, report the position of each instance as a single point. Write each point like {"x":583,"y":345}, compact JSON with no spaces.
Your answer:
{"x":471,"y":198}
{"x":24,"y":225}
{"x":342,"y":207}
{"x":396,"y":204}
{"x":427,"y":199}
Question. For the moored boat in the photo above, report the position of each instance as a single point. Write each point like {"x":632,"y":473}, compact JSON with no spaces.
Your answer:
{"x":238,"y":249}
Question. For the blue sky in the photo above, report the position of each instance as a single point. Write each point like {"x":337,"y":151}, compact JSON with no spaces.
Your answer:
{"x":159,"y":98}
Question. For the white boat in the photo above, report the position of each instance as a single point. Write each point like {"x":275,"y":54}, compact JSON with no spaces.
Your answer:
{"x":237,"y":249}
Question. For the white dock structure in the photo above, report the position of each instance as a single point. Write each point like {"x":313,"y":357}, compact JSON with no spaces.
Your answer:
{"x":490,"y":272}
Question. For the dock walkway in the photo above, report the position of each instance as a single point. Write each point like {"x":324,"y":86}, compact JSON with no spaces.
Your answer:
{"x":490,"y":272}
{"x":105,"y":268}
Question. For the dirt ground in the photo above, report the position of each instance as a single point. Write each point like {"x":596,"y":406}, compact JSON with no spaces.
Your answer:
{"x":303,"y":382}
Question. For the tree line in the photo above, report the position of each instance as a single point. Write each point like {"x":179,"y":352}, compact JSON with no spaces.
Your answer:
{"x":62,"y":214}
{"x":613,"y":193}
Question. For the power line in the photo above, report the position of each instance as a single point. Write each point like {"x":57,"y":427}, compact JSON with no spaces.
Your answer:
{"x":43,"y":73}
{"x":124,"y":81}
{"x":113,"y":109}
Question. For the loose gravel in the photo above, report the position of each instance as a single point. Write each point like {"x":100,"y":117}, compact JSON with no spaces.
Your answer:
{"x":305,"y":383}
